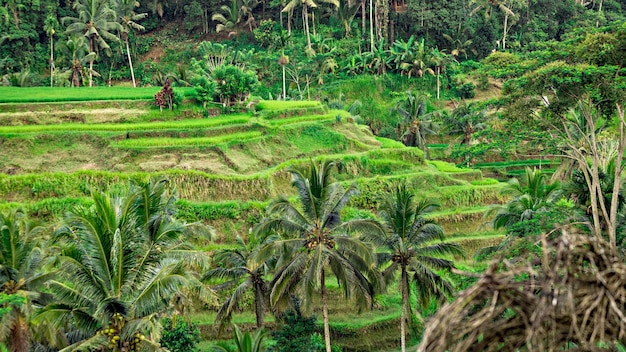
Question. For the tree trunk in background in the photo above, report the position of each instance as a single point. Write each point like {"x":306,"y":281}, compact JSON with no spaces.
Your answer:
{"x":130,"y":62}
{"x":51,"y":62}
{"x":403,"y":280}
{"x":371,"y":26}
{"x":325,"y":313}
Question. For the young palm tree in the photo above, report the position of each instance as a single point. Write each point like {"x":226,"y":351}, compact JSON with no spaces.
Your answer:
{"x":533,"y":195}
{"x":123,"y":265}
{"x":75,"y":51}
{"x":466,"y":119}
{"x":21,"y":274}
{"x":127,"y":17}
{"x":316,"y":241}
{"x":417,"y":123}
{"x":240,"y":266}
{"x":409,"y":244}
{"x":96,"y":22}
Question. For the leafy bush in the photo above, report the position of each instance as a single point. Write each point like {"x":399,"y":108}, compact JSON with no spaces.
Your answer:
{"x":181,"y":337}
{"x":205,"y":89}
{"x":234,"y":84}
{"x":467,"y":90}
{"x":297,"y":333}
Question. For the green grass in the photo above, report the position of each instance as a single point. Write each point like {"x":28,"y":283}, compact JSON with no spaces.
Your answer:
{"x":306,"y":118}
{"x":390,"y":143}
{"x":517,"y":163}
{"x":178,"y":142}
{"x":125,"y":127}
{"x":446,"y":167}
{"x":277,"y":105}
{"x":58,"y":94}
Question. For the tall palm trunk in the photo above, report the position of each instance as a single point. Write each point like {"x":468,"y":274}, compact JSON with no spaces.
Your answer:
{"x":284,"y":85}
{"x":506,"y":23}
{"x":403,"y":313}
{"x":130,"y":61}
{"x":259,"y":306}
{"x":305,"y":23}
{"x":51,"y":62}
{"x":325,"y":312}
{"x":313,"y":21}
{"x":91,"y":63}
{"x":363,"y":14}
{"x":371,"y":26}
{"x":438,"y":81}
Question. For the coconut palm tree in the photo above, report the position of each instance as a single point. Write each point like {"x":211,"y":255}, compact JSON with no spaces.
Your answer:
{"x":316,"y":241}
{"x":21,"y":275}
{"x":96,"y":21}
{"x":440,"y":60}
{"x":465,"y":119}
{"x":75,"y":51}
{"x":306,"y":4}
{"x":534,"y":194}
{"x":124,"y":265}
{"x":417,"y":123}
{"x":413,"y":246}
{"x":228,"y":18}
{"x":505,"y":6}
{"x":125,"y":10}
{"x":50,"y":26}
{"x":240,"y":267}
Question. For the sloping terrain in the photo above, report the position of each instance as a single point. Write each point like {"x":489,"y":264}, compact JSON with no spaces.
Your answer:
{"x":226,"y":169}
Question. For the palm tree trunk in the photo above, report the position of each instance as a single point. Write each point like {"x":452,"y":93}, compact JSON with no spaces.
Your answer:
{"x":284,"y":85}
{"x":91,"y":63}
{"x":363,"y":14}
{"x":325,"y":312}
{"x":260,"y":309}
{"x":289,"y":15}
{"x":403,"y":314}
{"x":51,"y":62}
{"x":313,"y":21}
{"x":305,"y":22}
{"x":506,"y":22}
{"x":371,"y":26}
{"x":438,"y":81}
{"x":130,"y":63}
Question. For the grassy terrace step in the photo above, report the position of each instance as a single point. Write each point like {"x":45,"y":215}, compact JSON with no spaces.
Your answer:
{"x":474,"y":241}
{"x":517,"y":163}
{"x":281,"y":105}
{"x":125,"y":127}
{"x":58,"y":94}
{"x":140,"y":143}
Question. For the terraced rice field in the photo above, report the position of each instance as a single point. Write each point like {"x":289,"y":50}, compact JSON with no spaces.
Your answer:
{"x":227,"y":169}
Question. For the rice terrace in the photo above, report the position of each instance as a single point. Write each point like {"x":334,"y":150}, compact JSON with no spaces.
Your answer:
{"x":386,"y":176}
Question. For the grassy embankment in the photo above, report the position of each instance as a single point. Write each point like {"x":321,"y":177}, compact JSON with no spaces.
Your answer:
{"x":227,"y":169}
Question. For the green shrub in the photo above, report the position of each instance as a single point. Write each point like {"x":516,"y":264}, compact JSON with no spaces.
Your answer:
{"x":180,"y":337}
{"x":234,"y":84}
{"x":467,"y":90}
{"x":205,"y":89}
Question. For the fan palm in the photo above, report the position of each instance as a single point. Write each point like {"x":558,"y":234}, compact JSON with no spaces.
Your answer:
{"x":409,"y":244}
{"x":21,"y":275}
{"x":240,"y":266}
{"x":417,"y":123}
{"x":315,"y":240}
{"x":124,"y":264}
{"x":96,"y":22}
{"x":127,"y":17}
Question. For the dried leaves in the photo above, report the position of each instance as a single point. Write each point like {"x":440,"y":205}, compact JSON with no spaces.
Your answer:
{"x":574,"y":299}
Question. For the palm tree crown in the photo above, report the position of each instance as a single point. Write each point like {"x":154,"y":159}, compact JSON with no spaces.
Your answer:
{"x":316,"y":240}
{"x":412,"y":244}
{"x":123,"y":265}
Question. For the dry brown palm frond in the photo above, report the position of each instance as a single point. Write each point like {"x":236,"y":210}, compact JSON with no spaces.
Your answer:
{"x":574,"y":298}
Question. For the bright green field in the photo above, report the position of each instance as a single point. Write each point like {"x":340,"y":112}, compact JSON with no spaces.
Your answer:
{"x":58,"y":94}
